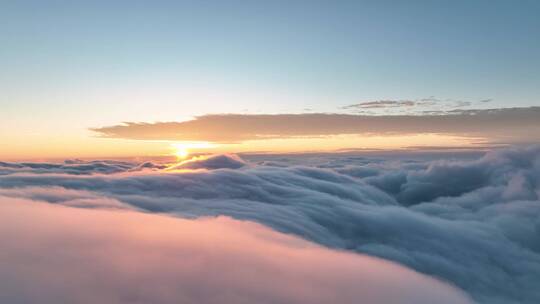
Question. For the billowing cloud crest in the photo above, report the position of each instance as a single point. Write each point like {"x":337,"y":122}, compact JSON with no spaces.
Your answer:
{"x":211,"y":162}
{"x":472,"y":221}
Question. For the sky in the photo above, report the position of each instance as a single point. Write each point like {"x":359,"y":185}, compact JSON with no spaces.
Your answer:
{"x":72,"y":66}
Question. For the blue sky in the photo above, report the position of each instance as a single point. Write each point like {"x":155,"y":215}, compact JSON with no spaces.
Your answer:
{"x":315,"y":54}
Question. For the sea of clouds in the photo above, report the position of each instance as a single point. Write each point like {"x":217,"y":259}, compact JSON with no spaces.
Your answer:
{"x":471,"y":220}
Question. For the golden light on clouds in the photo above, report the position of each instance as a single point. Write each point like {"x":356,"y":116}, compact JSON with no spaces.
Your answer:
{"x":45,"y":148}
{"x":281,"y":133}
{"x":331,"y":143}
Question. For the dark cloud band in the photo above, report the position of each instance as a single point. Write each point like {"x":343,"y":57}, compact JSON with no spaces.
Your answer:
{"x":512,"y":125}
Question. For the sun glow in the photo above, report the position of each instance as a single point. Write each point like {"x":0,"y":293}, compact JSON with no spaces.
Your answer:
{"x":183,"y":150}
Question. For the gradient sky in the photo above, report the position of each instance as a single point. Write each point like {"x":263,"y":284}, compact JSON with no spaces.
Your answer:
{"x":72,"y":65}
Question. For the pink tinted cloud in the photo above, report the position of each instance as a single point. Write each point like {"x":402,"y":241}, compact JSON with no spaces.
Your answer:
{"x":56,"y":254}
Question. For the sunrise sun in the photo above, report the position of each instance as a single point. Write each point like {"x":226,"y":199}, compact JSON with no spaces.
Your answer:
{"x":181,"y":152}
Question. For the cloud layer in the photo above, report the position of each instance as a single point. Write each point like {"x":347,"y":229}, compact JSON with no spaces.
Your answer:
{"x":512,"y":125}
{"x":66,"y":255}
{"x":468,"y":220}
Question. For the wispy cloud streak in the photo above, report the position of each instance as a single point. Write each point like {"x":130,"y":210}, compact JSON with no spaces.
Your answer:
{"x":512,"y":125}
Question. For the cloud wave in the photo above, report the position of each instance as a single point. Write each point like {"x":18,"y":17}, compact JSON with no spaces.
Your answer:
{"x":66,"y":255}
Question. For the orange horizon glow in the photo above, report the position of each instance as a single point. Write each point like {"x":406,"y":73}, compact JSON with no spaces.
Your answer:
{"x":43,"y":148}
